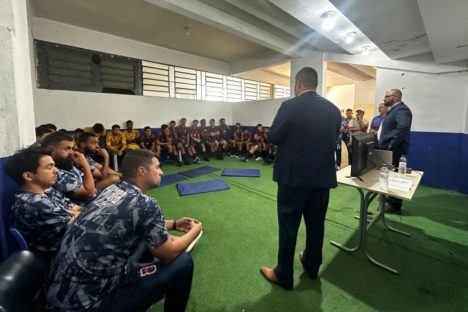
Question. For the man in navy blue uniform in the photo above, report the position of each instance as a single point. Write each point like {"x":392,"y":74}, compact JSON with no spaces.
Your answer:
{"x":74,"y":183}
{"x":97,"y":268}
{"x":40,"y":213}
{"x":394,"y":135}
{"x":305,"y":129}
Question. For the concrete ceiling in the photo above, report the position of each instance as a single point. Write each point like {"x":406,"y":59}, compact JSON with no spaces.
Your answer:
{"x":233,"y":30}
{"x":340,"y":73}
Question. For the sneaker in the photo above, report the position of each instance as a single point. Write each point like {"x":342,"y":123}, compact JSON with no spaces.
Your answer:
{"x":236,"y":157}
{"x":244,"y":159}
{"x":258,"y":158}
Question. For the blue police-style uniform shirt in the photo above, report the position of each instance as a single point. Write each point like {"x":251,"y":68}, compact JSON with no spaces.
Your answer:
{"x":42,"y":219}
{"x":91,"y":163}
{"x":95,"y":254}
{"x":376,"y":122}
{"x":68,"y":180}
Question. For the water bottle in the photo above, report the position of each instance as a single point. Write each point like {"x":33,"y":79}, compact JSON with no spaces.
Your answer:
{"x":402,"y":165}
{"x":383,"y":181}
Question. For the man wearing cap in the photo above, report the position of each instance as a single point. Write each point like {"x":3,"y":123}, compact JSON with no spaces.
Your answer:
{"x":361,"y":124}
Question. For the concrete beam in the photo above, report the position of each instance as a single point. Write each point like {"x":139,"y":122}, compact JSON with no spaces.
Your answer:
{"x":207,"y":14}
{"x":257,"y":61}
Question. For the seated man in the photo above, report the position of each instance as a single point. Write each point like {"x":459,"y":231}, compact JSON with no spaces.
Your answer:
{"x":164,"y":143}
{"x":195,"y":142}
{"x":41,"y":132}
{"x":116,"y":144}
{"x":74,"y":183}
{"x":205,"y":135}
{"x":103,"y":176}
{"x":76,"y":134}
{"x":223,"y":138}
{"x":213,"y":132}
{"x":182,"y":143}
{"x":40,"y":213}
{"x":131,"y":136}
{"x":95,"y":267}
{"x":236,"y":141}
{"x":269,"y":149}
{"x":98,"y":128}
{"x":258,"y":143}
{"x":147,"y":140}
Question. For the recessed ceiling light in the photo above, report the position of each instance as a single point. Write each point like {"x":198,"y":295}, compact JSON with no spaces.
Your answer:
{"x":365,"y":49}
{"x":350,"y":37}
{"x":329,"y":20}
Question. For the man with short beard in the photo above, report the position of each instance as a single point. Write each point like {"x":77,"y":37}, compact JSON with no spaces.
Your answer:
{"x":394,"y":135}
{"x":75,"y":184}
{"x":104,"y":176}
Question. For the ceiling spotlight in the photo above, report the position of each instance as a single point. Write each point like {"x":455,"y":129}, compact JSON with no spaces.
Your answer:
{"x":187,"y":30}
{"x":365,"y":49}
{"x":329,"y":20}
{"x":350,"y":37}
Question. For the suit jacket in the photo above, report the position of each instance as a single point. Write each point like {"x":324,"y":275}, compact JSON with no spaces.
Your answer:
{"x":396,"y":127}
{"x":306,"y":129}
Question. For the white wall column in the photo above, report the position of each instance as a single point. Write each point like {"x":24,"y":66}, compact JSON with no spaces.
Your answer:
{"x":16,"y":96}
{"x":314,"y":59}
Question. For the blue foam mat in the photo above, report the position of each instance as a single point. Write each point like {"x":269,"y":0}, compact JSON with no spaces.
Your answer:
{"x":201,"y":187}
{"x":241,"y":172}
{"x":171,"y":179}
{"x":198,"y":171}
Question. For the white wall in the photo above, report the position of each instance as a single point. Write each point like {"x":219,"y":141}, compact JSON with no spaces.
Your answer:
{"x":72,"y":109}
{"x":342,"y":95}
{"x":314,"y":59}
{"x":438,"y":101}
{"x":16,"y":113}
{"x":265,"y":76}
{"x":365,"y":92}
{"x":49,"y":30}
{"x":253,"y":112}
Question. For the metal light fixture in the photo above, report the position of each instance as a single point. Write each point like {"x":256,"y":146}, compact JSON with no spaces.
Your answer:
{"x":329,"y":20}
{"x":350,"y":37}
{"x":365,"y":49}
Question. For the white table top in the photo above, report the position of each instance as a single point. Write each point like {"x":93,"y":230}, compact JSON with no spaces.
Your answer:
{"x":371,"y":181}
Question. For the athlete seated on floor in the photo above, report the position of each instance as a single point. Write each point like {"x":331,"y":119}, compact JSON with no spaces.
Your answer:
{"x":258,"y":143}
{"x":196,"y":142}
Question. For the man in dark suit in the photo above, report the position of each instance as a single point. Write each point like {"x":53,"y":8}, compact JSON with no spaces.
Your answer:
{"x":393,"y":135}
{"x":305,"y":130}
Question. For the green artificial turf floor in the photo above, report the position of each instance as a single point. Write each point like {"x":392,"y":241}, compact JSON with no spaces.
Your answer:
{"x":240,"y":234}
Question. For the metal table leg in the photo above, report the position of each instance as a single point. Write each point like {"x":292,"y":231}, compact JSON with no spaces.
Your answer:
{"x":364,"y":227}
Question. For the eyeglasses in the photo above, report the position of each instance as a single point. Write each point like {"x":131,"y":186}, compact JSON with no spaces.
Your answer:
{"x":389,"y":95}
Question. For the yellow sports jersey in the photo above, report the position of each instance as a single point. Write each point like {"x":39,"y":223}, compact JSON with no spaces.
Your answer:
{"x":131,"y":137}
{"x":114,"y":143}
